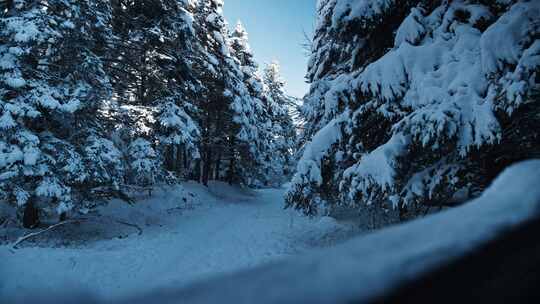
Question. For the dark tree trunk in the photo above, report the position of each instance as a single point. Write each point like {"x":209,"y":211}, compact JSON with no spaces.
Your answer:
{"x":179,"y":162}
{"x":197,"y":170}
{"x":207,"y":167}
{"x":169,"y":163}
{"x":31,"y":215}
{"x":232,"y":164}
{"x":143,"y":86}
{"x":218,"y":165}
{"x":185,"y":159}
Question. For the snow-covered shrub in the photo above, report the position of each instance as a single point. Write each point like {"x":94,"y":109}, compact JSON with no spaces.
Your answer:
{"x":177,"y":127}
{"x":143,"y":163}
{"x":104,"y":162}
{"x":434,"y":93}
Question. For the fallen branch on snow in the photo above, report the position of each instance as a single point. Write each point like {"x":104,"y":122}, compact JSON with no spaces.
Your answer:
{"x":78,"y":220}
{"x":33,"y":234}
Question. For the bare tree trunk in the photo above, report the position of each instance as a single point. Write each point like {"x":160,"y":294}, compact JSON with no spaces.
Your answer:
{"x":232,"y":164}
{"x":142,"y":86}
{"x":179,"y":162}
{"x":231,"y":171}
{"x":218,"y":165}
{"x":169,"y":158}
{"x":185,"y":159}
{"x":197,"y":170}
{"x":31,"y":215}
{"x":207,"y":166}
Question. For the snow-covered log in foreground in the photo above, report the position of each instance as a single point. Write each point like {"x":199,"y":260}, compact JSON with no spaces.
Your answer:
{"x":371,"y":266}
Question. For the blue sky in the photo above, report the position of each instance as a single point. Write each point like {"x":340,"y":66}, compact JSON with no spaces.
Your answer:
{"x":275,"y":32}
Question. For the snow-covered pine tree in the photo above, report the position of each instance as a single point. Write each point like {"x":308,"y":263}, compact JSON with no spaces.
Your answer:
{"x":215,"y":115}
{"x":155,"y":84}
{"x":229,"y":120}
{"x":51,"y":84}
{"x":283,"y":129}
{"x":413,"y":103}
{"x":240,"y":48}
{"x":263,"y":154}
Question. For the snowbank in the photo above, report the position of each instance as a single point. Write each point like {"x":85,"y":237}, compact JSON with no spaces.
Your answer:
{"x":368,"y":266}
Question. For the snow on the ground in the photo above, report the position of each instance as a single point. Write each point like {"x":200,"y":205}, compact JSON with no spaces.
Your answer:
{"x":229,"y":229}
{"x":189,"y":233}
{"x":368,"y":266}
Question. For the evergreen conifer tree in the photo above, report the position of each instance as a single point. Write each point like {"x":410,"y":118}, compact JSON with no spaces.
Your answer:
{"x":52,"y":82}
{"x":284,"y":135}
{"x":411,"y":102}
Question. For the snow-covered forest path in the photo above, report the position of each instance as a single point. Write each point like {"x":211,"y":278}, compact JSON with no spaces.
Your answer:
{"x":188,"y":234}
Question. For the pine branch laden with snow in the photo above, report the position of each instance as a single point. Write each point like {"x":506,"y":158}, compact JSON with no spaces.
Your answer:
{"x":51,"y":83}
{"x":178,"y":127}
{"x":143,"y":163}
{"x":432,"y":100}
{"x":307,"y":190}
